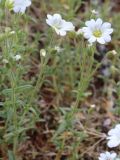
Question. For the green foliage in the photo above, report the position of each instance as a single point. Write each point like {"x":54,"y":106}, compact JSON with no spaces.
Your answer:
{"x":67,"y":71}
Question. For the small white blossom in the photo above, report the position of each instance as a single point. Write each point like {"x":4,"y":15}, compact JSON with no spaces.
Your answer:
{"x":17,"y":57}
{"x":19,"y":6}
{"x":107,"y":156}
{"x":114,"y":137}
{"x":58,"y":24}
{"x":96,"y":30}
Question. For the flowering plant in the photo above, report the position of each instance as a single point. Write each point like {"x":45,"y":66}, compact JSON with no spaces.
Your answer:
{"x":65,"y":60}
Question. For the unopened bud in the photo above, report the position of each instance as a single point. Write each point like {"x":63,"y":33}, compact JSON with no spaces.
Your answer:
{"x":43,"y":52}
{"x":114,"y":71}
{"x":111,"y":54}
{"x":114,"y":52}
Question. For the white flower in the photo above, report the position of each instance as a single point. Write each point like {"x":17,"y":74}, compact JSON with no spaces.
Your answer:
{"x":17,"y":57}
{"x":107,"y":156}
{"x":114,"y":137}
{"x":96,"y":30}
{"x":59,"y":25}
{"x":19,"y":6}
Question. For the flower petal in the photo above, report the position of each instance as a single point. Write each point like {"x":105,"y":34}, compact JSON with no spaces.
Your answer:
{"x":113,"y":142}
{"x":49,"y":16}
{"x":98,"y":23}
{"x":112,"y":132}
{"x":106,"y":25}
{"x":86,"y":29}
{"x":107,"y":156}
{"x":62,"y":32}
{"x":90,"y":23}
{"x":57,"y":16}
{"x":48,"y":22}
{"x":87,"y":35}
{"x":20,"y":6}
{"x":68,"y":26}
{"x":101,"y":40}
{"x":118,"y":126}
{"x":107,"y":37}
{"x":87,"y":32}
{"x":92,"y":39}
{"x":108,"y":31}
{"x":113,"y":155}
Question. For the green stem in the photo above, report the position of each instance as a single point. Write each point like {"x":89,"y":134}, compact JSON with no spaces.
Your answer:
{"x":40,"y":78}
{"x":85,"y":78}
{"x":15,"y":140}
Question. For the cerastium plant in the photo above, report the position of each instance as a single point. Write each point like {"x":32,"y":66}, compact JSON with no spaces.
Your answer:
{"x":18,"y":94}
{"x":95,"y":31}
{"x":17,"y":110}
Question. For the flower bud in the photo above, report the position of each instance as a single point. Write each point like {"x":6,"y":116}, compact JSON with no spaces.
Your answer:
{"x":43,"y":52}
{"x":114,"y":71}
{"x":111,"y":54}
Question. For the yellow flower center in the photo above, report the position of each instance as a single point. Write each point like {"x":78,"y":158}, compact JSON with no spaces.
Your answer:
{"x":97,"y":33}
